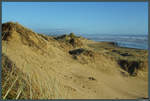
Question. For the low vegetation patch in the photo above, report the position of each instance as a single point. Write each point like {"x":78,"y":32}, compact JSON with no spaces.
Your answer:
{"x":71,"y":39}
{"x":83,"y":55}
{"x":131,"y":67}
{"x":82,"y":51}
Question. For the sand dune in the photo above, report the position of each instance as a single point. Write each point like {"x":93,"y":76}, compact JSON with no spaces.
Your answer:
{"x":71,"y":67}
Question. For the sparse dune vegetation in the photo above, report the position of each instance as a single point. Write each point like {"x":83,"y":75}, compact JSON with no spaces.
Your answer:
{"x":37,"y":66}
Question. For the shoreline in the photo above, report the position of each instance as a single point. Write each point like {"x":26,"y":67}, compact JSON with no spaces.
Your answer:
{"x":123,"y":46}
{"x":123,"y":41}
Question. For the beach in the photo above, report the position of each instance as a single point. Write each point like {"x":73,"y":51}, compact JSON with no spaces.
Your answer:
{"x":38,"y":66}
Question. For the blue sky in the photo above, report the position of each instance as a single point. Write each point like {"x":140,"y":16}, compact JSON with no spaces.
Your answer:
{"x":79,"y":17}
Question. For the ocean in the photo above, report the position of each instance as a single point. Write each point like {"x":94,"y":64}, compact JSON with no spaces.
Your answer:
{"x":130,"y":41}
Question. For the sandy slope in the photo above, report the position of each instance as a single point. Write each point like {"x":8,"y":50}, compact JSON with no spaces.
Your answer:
{"x":98,"y":78}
